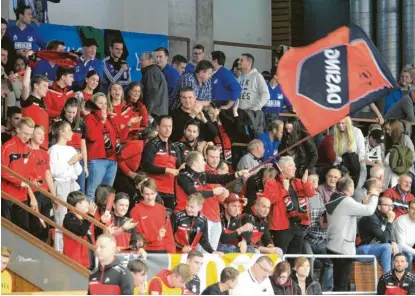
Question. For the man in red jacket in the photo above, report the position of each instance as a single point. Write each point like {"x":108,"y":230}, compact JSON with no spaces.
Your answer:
{"x":289,"y":206}
{"x":401,"y":195}
{"x":17,"y":156}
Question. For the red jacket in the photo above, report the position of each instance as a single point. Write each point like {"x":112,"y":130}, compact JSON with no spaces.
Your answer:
{"x":275,"y":192}
{"x":18,"y":157}
{"x":400,"y":207}
{"x":71,"y":248}
{"x":149,"y":221}
{"x":137,"y":109}
{"x":36,"y":109}
{"x":42,"y":164}
{"x":129,"y":158}
{"x":55,"y":99}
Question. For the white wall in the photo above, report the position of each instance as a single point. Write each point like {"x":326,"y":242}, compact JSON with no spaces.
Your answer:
{"x":243,"y":21}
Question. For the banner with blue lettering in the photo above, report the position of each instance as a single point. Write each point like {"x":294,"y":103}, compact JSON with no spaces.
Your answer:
{"x":136,"y":43}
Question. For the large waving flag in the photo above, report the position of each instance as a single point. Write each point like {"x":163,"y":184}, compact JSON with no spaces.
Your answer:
{"x":333,"y":77}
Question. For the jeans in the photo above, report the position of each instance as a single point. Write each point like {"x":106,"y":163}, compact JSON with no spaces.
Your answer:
{"x":214,"y":232}
{"x":383,"y":253}
{"x":410,"y":257}
{"x":82,"y":177}
{"x":101,"y":171}
{"x":234,"y":249}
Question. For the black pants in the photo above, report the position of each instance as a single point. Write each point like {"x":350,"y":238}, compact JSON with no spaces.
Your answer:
{"x":342,"y":268}
{"x":45,"y":207}
{"x":15,"y":214}
{"x":290,"y":240}
{"x":125,"y":184}
{"x":169,"y":200}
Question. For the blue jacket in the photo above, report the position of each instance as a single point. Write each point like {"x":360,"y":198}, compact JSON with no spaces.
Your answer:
{"x":28,"y":38}
{"x":113,"y":72}
{"x":277,"y":100}
{"x":190,"y":68}
{"x":271,"y":148}
{"x":45,"y":69}
{"x":392,"y":98}
{"x":225,"y":87}
{"x":83,"y":68}
{"x":172,"y":77}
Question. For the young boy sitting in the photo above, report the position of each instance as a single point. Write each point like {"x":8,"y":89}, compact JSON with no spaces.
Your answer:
{"x":78,"y":226}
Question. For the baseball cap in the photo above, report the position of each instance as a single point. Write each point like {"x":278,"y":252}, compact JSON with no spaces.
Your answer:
{"x":232,"y":197}
{"x":89,"y":42}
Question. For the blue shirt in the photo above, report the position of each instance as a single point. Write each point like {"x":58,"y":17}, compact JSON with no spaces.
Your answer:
{"x":392,"y":98}
{"x":203,"y":92}
{"x":28,"y":38}
{"x":45,"y":69}
{"x":277,"y":100}
{"x":190,"y":68}
{"x":172,"y":77}
{"x":225,"y":87}
{"x":83,"y":68}
{"x":270,"y":147}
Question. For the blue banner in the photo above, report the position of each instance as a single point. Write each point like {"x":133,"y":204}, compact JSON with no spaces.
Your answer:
{"x":136,"y":43}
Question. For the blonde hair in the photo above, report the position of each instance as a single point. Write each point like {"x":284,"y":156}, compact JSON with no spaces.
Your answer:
{"x":149,"y":183}
{"x":101,"y":94}
{"x":27,"y":121}
{"x":183,"y":270}
{"x":5,"y":252}
{"x":300,"y":262}
{"x":196,"y":197}
{"x":109,"y":97}
{"x":338,"y":137}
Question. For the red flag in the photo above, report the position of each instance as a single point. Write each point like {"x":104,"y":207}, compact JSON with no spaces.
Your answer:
{"x":61,"y":58}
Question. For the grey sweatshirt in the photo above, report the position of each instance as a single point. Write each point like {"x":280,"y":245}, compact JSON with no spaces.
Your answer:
{"x":342,"y":213}
{"x":403,"y":109}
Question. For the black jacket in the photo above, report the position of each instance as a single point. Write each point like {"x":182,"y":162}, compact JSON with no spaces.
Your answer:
{"x":375,"y":229}
{"x":114,"y":279}
{"x":312,"y":287}
{"x":390,"y":282}
{"x":253,"y":186}
{"x":260,"y":229}
{"x":290,"y":288}
{"x":155,"y":92}
{"x":229,"y":234}
{"x":194,"y":285}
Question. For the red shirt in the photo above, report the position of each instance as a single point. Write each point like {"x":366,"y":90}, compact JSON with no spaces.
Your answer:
{"x":42,"y":164}
{"x":55,"y":99}
{"x":36,"y":109}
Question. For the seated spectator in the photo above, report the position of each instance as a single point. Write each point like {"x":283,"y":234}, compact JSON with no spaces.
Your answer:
{"x":228,"y":280}
{"x":91,"y":85}
{"x":65,"y":169}
{"x":222,"y":168}
{"x":161,"y":162}
{"x":172,"y":282}
{"x":234,"y":235}
{"x":135,"y":107}
{"x":6,"y":278}
{"x":250,"y":160}
{"x":405,"y":81}
{"x":255,"y":281}
{"x":376,"y":234}
{"x":198,"y":54}
{"x":9,"y":129}
{"x":103,"y":215}
{"x":78,"y":226}
{"x":87,"y":62}
{"x":282,"y":283}
{"x":302,"y":277}
{"x":272,"y":138}
{"x":189,"y":141}
{"x":171,"y":74}
{"x":225,"y":88}
{"x":139,"y":270}
{"x":378,"y":171}
{"x":397,"y":281}
{"x":47,"y":68}
{"x":401,"y":195}
{"x":179,"y":62}
{"x":59,"y":92}
{"x":153,"y":221}
{"x":404,"y":108}
{"x":404,"y":227}
{"x":190,"y":227}
{"x":115,"y":69}
{"x":199,"y":81}
{"x":195,"y":262}
{"x":363,"y":194}
{"x":373,"y":151}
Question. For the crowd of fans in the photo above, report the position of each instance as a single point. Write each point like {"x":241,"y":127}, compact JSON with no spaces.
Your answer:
{"x":161,"y":150}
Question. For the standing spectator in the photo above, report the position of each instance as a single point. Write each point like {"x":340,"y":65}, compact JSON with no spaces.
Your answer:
{"x":4,"y":60}
{"x":304,"y":279}
{"x":116,"y":70}
{"x":255,"y":281}
{"x":199,"y":81}
{"x":6,"y":278}
{"x":39,"y":9}
{"x":272,"y":138}
{"x":225,"y":88}
{"x":342,"y":210}
{"x":139,"y":270}
{"x":404,"y":108}
{"x":33,"y":106}
{"x":59,"y":92}
{"x":401,"y":195}
{"x":171,"y":74}
{"x":90,"y":87}
{"x":195,"y":262}
{"x":155,"y":88}
{"x":376,"y":234}
{"x":47,"y":68}
{"x":13,"y":97}
{"x":179,"y":62}
{"x":250,"y":160}
{"x":14,"y":114}
{"x":6,"y":43}
{"x":87,"y":62}
{"x":135,"y":106}
{"x":198,"y":54}
{"x":16,"y":155}
{"x":24,"y":36}
{"x":255,"y":93}
{"x":228,"y":281}
{"x":397,"y":281}
{"x":236,"y":68}
{"x":172,"y":282}
{"x":160,"y":161}
{"x":282,"y":283}
{"x":405,"y":81}
{"x":327,"y":189}
{"x":111,"y":277}
{"x":404,"y":228}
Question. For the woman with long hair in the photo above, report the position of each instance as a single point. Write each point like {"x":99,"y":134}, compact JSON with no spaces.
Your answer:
{"x":281,"y":281}
{"x":135,"y":106}
{"x":303,"y":278}
{"x":90,"y":87}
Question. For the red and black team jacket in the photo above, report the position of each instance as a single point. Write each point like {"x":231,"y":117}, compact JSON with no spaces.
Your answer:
{"x":129,"y":158}
{"x":400,"y":207}
{"x":260,"y":236}
{"x":157,"y":156}
{"x":56,"y":98}
{"x":223,"y":142}
{"x":18,"y":157}
{"x":189,"y":182}
{"x":126,"y":238}
{"x":71,"y":248}
{"x":191,"y":230}
{"x":389,"y":284}
{"x":184,"y":147}
{"x":36,"y":109}
{"x":113,"y":279}
{"x":229,"y":234}
{"x":42,"y":164}
{"x":137,"y":109}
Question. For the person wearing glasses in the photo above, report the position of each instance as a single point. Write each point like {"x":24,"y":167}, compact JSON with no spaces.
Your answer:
{"x":377,"y":235}
{"x":255,"y":280}
{"x":198,"y":54}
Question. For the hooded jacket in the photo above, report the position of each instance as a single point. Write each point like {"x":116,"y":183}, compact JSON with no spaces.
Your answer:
{"x":342,"y":212}
{"x":255,"y":93}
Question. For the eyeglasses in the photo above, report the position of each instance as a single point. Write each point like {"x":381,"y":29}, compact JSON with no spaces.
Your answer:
{"x":282,"y":278}
{"x":264,"y":269}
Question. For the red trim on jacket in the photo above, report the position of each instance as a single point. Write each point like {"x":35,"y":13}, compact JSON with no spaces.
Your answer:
{"x":400,"y":207}
{"x":56,"y":98}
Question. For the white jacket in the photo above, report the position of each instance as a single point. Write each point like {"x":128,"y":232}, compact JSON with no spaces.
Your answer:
{"x":61,"y":170}
{"x":255,"y":93}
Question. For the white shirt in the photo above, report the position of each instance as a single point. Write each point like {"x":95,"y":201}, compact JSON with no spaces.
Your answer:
{"x":372,"y":154}
{"x":405,"y":233}
{"x":61,"y":170}
{"x":248,"y":285}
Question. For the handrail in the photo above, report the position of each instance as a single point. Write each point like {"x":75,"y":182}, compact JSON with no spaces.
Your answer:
{"x":55,"y":199}
{"x":76,"y":292}
{"x":47,"y":220}
{"x":44,"y":247}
